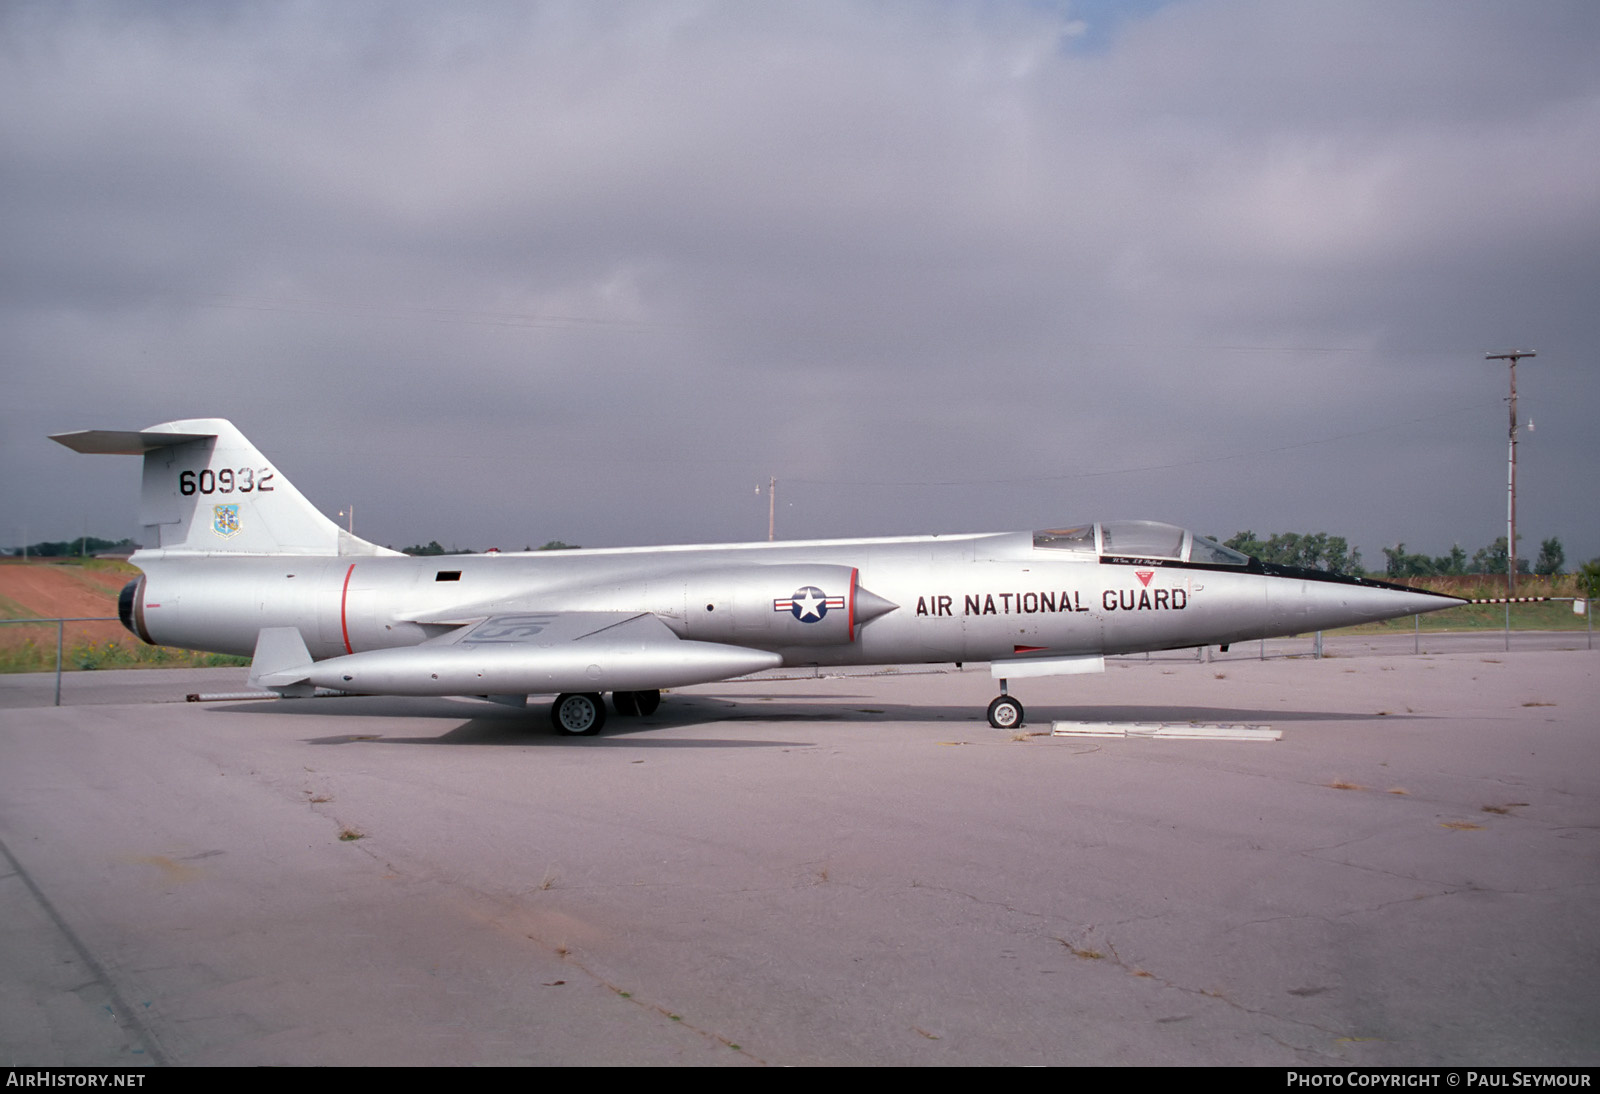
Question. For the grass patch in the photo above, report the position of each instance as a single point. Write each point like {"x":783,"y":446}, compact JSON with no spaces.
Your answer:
{"x":86,"y":655}
{"x":10,"y":609}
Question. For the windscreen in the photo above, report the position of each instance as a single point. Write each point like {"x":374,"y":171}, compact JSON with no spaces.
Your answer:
{"x":1212,"y":553}
{"x":1141,"y":539}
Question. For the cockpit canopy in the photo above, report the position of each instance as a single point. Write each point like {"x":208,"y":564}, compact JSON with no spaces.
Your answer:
{"x":1140,"y":539}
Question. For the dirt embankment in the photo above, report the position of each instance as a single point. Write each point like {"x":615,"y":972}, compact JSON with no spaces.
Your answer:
{"x":54,"y":590}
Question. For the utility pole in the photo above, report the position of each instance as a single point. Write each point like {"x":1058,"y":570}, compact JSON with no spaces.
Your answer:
{"x":772,"y":506}
{"x":1512,"y":356}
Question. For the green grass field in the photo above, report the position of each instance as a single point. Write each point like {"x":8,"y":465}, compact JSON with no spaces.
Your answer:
{"x":37,"y":653}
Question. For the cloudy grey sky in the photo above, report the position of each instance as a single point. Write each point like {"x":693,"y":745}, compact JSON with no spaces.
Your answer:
{"x":501,"y":273}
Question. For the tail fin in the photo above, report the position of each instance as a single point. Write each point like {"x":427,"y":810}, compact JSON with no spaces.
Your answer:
{"x":208,"y":491}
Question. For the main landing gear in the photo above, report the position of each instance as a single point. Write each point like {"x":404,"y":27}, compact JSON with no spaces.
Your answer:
{"x":578,"y":714}
{"x":636,"y":703}
{"x":1005,"y":712}
{"x":583,"y":714}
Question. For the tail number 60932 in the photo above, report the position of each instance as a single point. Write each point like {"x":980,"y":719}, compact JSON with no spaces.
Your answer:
{"x":225,"y":481}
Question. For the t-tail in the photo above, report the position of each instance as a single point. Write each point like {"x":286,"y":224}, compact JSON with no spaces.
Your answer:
{"x":208,"y":491}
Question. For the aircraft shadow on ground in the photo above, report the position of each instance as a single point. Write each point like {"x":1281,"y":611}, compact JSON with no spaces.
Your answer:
{"x":486,"y":724}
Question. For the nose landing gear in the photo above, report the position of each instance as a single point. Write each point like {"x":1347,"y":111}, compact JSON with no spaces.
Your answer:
{"x":1005,"y":712}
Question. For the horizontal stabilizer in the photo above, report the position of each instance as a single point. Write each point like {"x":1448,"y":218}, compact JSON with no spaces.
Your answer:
{"x":123,"y":442}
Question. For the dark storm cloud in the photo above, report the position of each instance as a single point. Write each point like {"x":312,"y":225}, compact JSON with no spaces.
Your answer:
{"x":512,"y":272}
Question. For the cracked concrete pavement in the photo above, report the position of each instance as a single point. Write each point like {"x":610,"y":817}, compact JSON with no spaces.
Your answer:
{"x":826,"y":871}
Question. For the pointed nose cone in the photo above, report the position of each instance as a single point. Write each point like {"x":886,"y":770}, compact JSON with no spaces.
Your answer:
{"x":1308,"y":600}
{"x":870,"y":605}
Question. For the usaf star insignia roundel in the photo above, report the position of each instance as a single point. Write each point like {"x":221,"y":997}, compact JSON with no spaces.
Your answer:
{"x":809,"y":605}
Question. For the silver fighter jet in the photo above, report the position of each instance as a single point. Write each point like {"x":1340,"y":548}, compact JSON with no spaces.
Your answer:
{"x":242,"y":563}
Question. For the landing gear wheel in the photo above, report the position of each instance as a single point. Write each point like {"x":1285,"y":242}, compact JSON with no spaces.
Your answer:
{"x":1005,"y":713}
{"x":625,"y":703}
{"x":648,"y":701}
{"x":578,"y":714}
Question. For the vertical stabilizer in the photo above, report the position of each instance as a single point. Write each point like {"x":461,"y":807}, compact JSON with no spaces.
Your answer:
{"x":207,"y":490}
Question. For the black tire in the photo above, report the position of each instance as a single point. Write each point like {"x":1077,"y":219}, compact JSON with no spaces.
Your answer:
{"x":648,"y":701}
{"x":625,"y":703}
{"x":578,"y":714}
{"x":1005,"y":713}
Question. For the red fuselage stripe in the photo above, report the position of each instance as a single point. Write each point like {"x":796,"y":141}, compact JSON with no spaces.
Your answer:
{"x":344,"y":598}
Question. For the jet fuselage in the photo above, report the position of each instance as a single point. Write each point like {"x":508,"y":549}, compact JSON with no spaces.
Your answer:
{"x":955,"y":598}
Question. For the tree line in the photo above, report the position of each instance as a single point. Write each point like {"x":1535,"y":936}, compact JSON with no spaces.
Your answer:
{"x":1334,"y":555}
{"x":432,"y":547}
{"x":1307,"y":550}
{"x":1488,"y":560}
{"x":83,"y":546}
